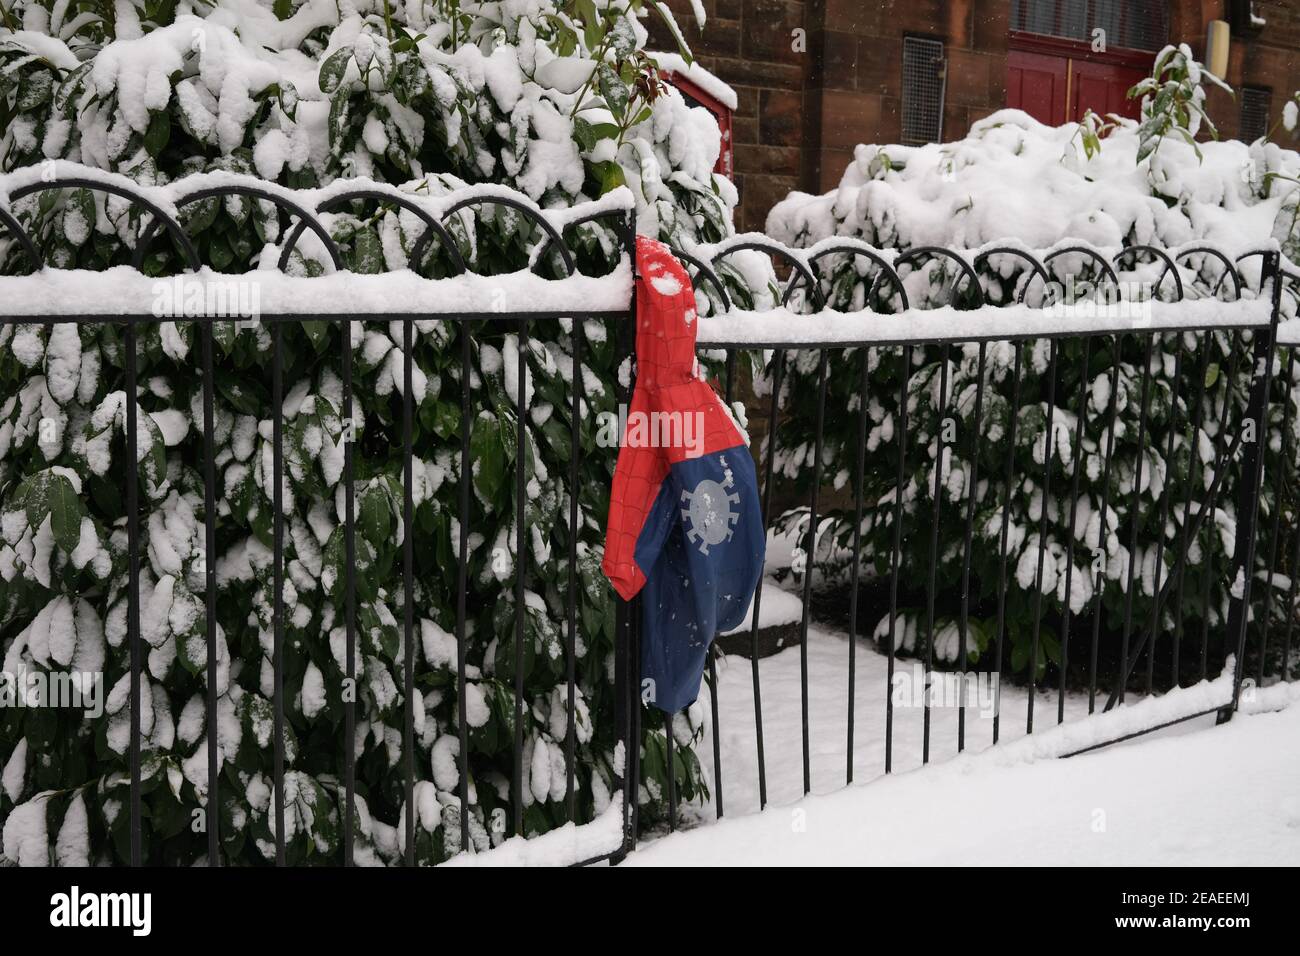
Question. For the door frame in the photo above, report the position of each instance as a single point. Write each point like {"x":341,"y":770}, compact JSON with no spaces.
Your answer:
{"x":1079,"y":50}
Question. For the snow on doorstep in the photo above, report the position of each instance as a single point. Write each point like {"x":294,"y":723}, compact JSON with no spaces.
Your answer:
{"x":1218,"y":796}
{"x":123,"y":291}
{"x":781,"y":327}
{"x":565,"y":846}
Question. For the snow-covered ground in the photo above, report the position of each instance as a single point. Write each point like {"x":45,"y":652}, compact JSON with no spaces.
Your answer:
{"x":1191,"y":793}
{"x":828,"y":668}
{"x":1207,"y":795}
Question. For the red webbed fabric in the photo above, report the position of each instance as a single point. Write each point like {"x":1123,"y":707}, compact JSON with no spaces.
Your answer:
{"x":667,"y":381}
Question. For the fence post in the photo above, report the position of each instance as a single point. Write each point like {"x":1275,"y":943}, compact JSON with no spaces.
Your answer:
{"x":627,"y":657}
{"x":1252,"y":478}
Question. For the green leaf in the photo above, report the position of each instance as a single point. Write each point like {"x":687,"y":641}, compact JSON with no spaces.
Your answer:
{"x":582,"y":132}
{"x":158,"y":132}
{"x":83,"y":202}
{"x":333,"y":69}
{"x":1019,"y":655}
{"x":368,"y":252}
{"x":611,"y":176}
{"x":591,"y":25}
{"x":220,"y":254}
{"x":192,"y":651}
{"x":49,"y":494}
{"x":375,"y":517}
{"x":613,"y":89}
{"x":1211,"y":374}
{"x":34,"y":91}
{"x":65,"y":513}
{"x":201,"y":214}
{"x":666,"y":15}
{"x":444,"y":419}
{"x":487,"y":453}
{"x":318,"y":332}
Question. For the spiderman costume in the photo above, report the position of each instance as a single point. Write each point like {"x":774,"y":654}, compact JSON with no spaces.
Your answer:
{"x":685,"y":529}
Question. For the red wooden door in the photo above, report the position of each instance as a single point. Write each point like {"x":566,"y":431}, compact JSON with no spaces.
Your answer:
{"x":1056,"y":81}
{"x":1103,"y":88}
{"x":1036,"y":84}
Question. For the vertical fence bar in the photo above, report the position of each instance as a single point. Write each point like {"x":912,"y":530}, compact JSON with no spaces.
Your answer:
{"x":462,"y":574}
{"x":1234,"y":362}
{"x":1276,"y":531}
{"x":277,"y":619}
{"x":1077,"y":452}
{"x":1193,"y":432}
{"x":808,"y":569}
{"x":349,"y":600}
{"x":521,"y":486}
{"x":1103,"y":534}
{"x":1164,"y":519}
{"x":622,"y":763}
{"x":1253,"y":469}
{"x":210,"y":591}
{"x":1290,"y":608}
{"x":571,"y":645}
{"x":778,"y":367}
{"x":1014,"y":415}
{"x":1048,"y":448}
{"x":934,"y":550}
{"x":717,"y":742}
{"x":896,"y":554}
{"x":858,"y":479}
{"x":714,"y":689}
{"x":636,"y":709}
{"x":968,"y":545}
{"x":670,"y":751}
{"x":408,"y":586}
{"x":1139,"y":465}
{"x":133,"y":588}
{"x":627,"y":700}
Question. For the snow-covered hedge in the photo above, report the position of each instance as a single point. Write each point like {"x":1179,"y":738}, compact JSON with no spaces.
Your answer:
{"x":557,"y":99}
{"x":1016,"y":181}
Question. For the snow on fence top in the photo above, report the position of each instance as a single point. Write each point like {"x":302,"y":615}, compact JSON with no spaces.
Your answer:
{"x":125,"y":291}
{"x":1135,"y":288}
{"x":782,"y":328}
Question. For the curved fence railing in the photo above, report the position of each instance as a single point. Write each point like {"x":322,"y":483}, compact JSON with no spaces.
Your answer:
{"x":41,"y":298}
{"x":1243,"y":298}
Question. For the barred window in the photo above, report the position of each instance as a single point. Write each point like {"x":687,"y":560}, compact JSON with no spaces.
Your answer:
{"x":1255,"y":103}
{"x":1133,"y":24}
{"x":923,"y":83}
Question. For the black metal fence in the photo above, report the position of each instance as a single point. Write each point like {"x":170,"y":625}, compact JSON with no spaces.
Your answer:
{"x":1255,"y":311}
{"x":1243,"y":309}
{"x":305,"y":208}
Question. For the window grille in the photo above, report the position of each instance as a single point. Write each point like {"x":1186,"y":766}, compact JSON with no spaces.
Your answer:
{"x":923,"y":84}
{"x":1255,"y":102}
{"x":1132,"y":24}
